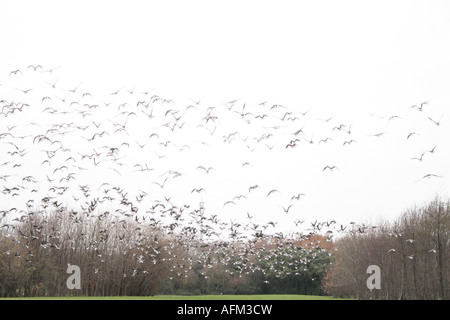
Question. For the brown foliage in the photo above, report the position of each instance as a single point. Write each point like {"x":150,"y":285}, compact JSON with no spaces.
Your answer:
{"x":412,"y":253}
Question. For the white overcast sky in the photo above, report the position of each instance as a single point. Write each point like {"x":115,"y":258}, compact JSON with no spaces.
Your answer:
{"x":360,"y":61}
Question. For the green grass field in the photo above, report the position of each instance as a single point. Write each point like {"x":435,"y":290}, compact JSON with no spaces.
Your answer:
{"x":201,"y":297}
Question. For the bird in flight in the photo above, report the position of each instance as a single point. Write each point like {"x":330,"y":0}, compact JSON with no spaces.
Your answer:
{"x":340,"y":127}
{"x":437,"y":123}
{"x":272,"y":223}
{"x":239,"y":197}
{"x":229,"y":202}
{"x":292,"y":143}
{"x":161,"y":185}
{"x":272,"y":191}
{"x":421,"y":105}
{"x":331,"y":168}
{"x":205,"y":169}
{"x":420,"y":159}
{"x":25,"y":91}
{"x":296,"y":133}
{"x":34,"y":67}
{"x":297,"y":197}
{"x":325,"y":140}
{"x":393,"y":117}
{"x":326,"y":120}
{"x":377,"y":135}
{"x":198,"y":190}
{"x":53,"y":85}
{"x":431,"y":175}
{"x":15,"y":72}
{"x":349,"y":142}
{"x":432,"y":150}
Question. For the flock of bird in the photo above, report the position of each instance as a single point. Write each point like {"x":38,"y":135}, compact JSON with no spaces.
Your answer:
{"x":148,"y":155}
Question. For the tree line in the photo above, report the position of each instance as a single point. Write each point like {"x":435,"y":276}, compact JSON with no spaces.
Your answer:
{"x":129,"y":255}
{"x":413,"y":254}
